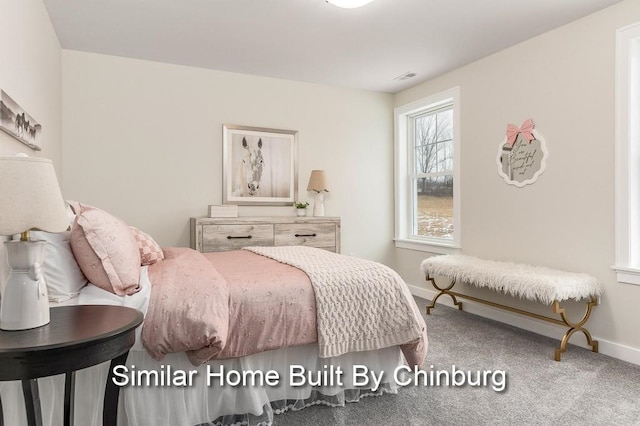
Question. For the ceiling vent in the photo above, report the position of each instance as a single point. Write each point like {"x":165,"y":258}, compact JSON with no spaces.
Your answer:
{"x":405,"y":76}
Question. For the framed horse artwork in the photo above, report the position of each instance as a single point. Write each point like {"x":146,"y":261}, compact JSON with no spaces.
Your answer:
{"x":18,"y":123}
{"x":259,"y":166}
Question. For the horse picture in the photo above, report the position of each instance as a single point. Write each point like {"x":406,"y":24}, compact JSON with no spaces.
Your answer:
{"x":259,"y":166}
{"x":249,"y":171}
{"x":17,"y":123}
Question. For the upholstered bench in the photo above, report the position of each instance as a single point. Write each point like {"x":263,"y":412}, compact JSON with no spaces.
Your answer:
{"x":535,"y":283}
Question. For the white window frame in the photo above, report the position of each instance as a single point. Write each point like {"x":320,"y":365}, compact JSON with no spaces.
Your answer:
{"x":627,"y":194}
{"x":404,"y":237}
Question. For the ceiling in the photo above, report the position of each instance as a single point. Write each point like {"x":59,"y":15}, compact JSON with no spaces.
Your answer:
{"x":311,"y":40}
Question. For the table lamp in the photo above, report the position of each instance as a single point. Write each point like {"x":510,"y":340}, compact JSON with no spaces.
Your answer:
{"x":318,"y":184}
{"x":30,"y":198}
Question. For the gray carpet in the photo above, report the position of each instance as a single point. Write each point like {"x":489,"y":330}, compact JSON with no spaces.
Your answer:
{"x":583,"y":389}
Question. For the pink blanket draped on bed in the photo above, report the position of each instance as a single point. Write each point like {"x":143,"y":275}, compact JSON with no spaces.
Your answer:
{"x":189,"y":306}
{"x":226,"y":305}
{"x":231,"y":304}
{"x":271,"y":305}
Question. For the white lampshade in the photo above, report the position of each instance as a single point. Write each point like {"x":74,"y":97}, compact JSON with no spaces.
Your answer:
{"x":30,"y":196}
{"x":349,"y":4}
{"x":318,"y":181}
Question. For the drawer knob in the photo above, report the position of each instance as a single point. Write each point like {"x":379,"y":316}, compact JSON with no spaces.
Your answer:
{"x":245,"y":237}
{"x":306,"y":235}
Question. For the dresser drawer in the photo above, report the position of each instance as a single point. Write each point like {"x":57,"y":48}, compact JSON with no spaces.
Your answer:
{"x":321,"y":235}
{"x":232,"y":233}
{"x":233,"y":237}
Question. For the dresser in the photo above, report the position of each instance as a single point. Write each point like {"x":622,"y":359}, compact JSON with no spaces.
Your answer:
{"x":223,"y":234}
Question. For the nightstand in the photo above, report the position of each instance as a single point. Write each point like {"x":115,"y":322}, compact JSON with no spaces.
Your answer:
{"x":77,"y":337}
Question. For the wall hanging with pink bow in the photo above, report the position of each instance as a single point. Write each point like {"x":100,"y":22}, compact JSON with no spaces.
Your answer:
{"x":522,"y":154}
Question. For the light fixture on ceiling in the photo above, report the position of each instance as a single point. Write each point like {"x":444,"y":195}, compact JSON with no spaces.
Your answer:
{"x":349,"y":4}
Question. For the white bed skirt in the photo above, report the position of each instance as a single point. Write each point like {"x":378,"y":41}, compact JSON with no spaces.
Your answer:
{"x":201,"y":403}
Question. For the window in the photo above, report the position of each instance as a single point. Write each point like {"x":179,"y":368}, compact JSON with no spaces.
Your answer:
{"x":628,"y":155}
{"x":427,"y":174}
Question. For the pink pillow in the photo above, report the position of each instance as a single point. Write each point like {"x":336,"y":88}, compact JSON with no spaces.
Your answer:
{"x":106,"y":250}
{"x":150,"y":251}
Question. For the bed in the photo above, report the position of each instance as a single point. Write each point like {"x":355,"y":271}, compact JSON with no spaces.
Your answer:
{"x":332,"y":328}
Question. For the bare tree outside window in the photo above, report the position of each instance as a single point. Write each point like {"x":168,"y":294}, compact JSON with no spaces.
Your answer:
{"x":433,"y":174}
{"x":427,"y":173}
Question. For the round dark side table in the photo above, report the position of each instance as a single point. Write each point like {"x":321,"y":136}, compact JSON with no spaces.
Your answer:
{"x":77,"y":337}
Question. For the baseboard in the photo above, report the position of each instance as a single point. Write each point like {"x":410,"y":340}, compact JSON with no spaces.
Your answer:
{"x":605,"y":347}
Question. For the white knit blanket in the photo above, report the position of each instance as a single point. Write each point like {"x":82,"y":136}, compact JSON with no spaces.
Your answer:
{"x":360,"y":305}
{"x":528,"y":282}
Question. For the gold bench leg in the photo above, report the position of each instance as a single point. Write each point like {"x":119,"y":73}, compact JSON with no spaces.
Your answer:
{"x":573,"y":327}
{"x":442,"y":291}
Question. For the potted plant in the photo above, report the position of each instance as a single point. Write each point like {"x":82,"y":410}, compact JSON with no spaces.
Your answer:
{"x":301,"y":208}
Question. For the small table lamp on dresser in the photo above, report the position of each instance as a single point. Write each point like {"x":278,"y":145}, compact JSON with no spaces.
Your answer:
{"x":30,"y":198}
{"x":318,"y":184}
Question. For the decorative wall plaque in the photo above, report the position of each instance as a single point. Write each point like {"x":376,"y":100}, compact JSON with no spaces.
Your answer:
{"x":521,"y":155}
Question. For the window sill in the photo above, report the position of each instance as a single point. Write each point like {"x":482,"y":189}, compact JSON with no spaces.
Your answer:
{"x":627,"y":275}
{"x":428,"y":247}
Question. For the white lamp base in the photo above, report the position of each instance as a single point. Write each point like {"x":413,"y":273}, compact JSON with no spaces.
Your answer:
{"x":318,"y":204}
{"x":25,"y":301}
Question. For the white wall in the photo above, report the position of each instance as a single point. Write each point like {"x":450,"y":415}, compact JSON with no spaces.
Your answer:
{"x":143,"y":140}
{"x":30,"y":72}
{"x":565,"y":81}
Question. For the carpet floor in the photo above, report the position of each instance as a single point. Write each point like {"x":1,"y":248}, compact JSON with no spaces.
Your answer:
{"x":585,"y":388}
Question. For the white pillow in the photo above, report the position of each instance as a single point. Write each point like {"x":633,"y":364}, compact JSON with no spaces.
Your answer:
{"x":61,"y":271}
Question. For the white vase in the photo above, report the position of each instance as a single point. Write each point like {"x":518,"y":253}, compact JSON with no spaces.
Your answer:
{"x":301,"y":212}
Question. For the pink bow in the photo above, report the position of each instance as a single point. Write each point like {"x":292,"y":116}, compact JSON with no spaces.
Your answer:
{"x":526,"y":131}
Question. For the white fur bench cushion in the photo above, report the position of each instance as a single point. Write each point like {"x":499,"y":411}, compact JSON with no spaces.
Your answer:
{"x":528,"y":282}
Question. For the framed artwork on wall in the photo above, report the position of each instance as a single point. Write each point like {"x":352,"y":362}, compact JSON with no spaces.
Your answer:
{"x":259,"y":166}
{"x":522,"y":155}
{"x":18,"y":123}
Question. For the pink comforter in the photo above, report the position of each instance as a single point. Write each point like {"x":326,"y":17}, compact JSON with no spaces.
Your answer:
{"x":189,"y":306}
{"x":271,"y":305}
{"x":232,"y":304}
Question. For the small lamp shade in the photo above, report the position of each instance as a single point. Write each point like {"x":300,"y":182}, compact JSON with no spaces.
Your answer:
{"x":317,"y":181}
{"x":30,"y":196}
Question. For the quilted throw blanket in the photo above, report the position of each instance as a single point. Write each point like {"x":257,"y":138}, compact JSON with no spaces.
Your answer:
{"x":360,"y":304}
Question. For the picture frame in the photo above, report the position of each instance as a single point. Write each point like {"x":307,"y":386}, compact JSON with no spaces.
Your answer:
{"x":16,"y":122}
{"x":260,"y":166}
